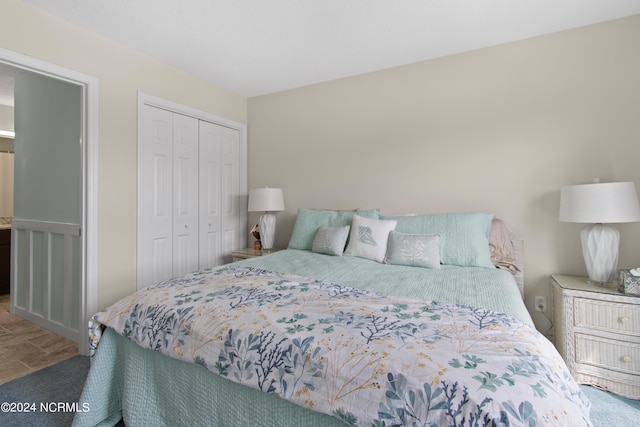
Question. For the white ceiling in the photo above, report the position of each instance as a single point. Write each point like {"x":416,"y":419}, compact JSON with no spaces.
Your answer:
{"x":255,"y":47}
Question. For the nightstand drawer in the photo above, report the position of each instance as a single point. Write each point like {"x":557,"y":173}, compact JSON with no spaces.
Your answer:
{"x":607,"y":316}
{"x":616,"y":355}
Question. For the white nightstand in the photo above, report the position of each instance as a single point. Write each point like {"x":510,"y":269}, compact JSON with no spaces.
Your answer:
{"x":241,"y":254}
{"x":597,"y":331}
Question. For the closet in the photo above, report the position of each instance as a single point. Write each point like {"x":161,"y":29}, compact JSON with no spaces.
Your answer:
{"x":191,"y":194}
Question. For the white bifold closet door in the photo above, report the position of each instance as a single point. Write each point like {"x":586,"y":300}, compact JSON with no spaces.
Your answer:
{"x":189,"y":204}
{"x":185,"y":194}
{"x":221,"y":220}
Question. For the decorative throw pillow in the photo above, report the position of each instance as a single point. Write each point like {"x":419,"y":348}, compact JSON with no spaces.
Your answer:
{"x":414,"y":250}
{"x":369,"y":238}
{"x":308,"y":221}
{"x":331,"y":240}
{"x":464,"y":236}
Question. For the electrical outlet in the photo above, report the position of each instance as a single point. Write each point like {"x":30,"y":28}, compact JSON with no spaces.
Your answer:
{"x":541,"y":303}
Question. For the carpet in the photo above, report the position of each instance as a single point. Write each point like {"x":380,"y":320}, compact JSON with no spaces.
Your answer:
{"x":54,"y":393}
{"x":611,"y":410}
{"x":46,"y":398}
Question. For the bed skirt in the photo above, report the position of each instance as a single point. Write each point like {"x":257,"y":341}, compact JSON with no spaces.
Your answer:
{"x":129,"y":382}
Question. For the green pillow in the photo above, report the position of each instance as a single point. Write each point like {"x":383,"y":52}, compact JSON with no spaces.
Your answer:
{"x":309,"y":221}
{"x":464,"y":237}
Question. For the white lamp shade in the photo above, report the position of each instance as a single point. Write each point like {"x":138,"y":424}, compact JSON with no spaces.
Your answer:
{"x":266,"y":200}
{"x":600,"y":203}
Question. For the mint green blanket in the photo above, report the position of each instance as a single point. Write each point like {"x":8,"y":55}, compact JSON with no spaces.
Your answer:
{"x":476,"y":286}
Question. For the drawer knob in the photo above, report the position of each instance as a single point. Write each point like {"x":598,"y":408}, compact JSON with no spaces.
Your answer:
{"x":626,"y":359}
{"x":624,"y":319}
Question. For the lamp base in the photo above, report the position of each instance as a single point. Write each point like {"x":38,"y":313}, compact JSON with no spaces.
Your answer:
{"x":267,"y":231}
{"x":600,"y":245}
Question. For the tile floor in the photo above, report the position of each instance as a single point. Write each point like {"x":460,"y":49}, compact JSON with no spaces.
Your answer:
{"x":26,"y":347}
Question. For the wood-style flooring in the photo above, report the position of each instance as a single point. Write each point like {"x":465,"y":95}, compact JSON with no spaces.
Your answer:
{"x":26,"y":347}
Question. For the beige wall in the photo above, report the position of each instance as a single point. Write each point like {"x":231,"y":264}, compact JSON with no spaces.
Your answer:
{"x":498,"y":130}
{"x":121,"y":73}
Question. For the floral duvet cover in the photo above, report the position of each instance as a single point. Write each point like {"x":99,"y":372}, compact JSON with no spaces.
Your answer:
{"x":364,"y":358}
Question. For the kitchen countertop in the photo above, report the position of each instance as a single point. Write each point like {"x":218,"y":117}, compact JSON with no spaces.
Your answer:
{"x":5,"y":222}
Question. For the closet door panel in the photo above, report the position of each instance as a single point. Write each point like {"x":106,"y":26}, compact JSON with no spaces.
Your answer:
{"x":231,"y":197}
{"x":155,"y":251}
{"x":185,"y":194}
{"x":160,"y":247}
{"x":210,"y":186}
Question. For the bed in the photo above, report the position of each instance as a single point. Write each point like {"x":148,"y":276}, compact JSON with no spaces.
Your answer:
{"x":364,"y":320}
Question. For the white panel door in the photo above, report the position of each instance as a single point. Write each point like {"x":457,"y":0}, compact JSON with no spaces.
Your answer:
{"x":230,"y":193}
{"x":209,"y":209}
{"x":155,"y":243}
{"x":185,"y":194}
{"x":47,"y":246}
{"x":220,"y":198}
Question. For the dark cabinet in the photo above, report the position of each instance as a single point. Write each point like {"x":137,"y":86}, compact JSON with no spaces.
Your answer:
{"x":5,"y":260}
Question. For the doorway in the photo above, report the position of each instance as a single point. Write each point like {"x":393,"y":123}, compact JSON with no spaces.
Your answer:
{"x":36,"y":292}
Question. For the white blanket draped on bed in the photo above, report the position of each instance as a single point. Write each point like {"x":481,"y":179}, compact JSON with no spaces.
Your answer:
{"x":330,"y":348}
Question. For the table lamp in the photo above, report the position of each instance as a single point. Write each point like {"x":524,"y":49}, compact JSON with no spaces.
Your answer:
{"x":266,"y":200}
{"x":597,"y":204}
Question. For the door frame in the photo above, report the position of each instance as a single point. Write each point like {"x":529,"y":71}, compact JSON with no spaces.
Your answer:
{"x":154,"y":101}
{"x":89,"y":178}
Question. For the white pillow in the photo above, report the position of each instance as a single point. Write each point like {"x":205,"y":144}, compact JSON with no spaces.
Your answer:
{"x":369,"y":237}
